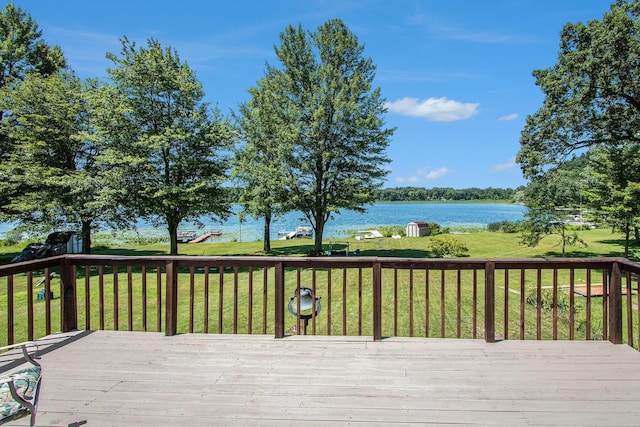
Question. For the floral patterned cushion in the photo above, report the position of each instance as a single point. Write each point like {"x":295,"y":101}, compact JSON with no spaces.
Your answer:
{"x":26,"y":383}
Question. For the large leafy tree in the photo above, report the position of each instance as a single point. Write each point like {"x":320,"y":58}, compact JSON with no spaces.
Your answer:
{"x":592,"y":101}
{"x":22,"y":51}
{"x":592,"y":94}
{"x":52,"y":166}
{"x":166,"y":151}
{"x":258,"y":163}
{"x":548,"y":197}
{"x":614,"y":187}
{"x":329,"y":120}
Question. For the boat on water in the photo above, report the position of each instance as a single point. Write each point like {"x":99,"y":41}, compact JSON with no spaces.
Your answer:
{"x":302,"y":231}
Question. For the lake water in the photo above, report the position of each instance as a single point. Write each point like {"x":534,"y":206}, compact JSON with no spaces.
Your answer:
{"x":454,"y":215}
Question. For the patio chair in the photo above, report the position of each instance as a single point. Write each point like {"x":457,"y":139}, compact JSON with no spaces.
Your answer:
{"x":19,"y":390}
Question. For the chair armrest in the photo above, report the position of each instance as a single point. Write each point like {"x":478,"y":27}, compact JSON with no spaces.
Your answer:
{"x":24,"y":346}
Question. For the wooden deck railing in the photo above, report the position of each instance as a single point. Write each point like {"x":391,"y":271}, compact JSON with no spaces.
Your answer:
{"x":494,"y":299}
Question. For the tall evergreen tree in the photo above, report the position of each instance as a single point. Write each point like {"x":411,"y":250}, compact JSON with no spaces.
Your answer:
{"x":166,"y":151}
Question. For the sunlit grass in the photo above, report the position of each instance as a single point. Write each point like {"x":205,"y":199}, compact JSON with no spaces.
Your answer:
{"x":348,"y":313}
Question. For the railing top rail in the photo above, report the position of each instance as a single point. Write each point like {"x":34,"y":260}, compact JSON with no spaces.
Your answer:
{"x":25,"y":266}
{"x":323,"y":262}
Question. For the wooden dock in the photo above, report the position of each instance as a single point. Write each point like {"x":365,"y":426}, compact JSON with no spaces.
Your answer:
{"x":107,"y":378}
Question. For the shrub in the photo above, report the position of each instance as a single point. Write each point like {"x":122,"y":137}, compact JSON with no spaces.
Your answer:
{"x":393,"y":230}
{"x":505,"y":226}
{"x":442,"y":247}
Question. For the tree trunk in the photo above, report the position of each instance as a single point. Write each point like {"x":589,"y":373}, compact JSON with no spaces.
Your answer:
{"x":627,"y":234}
{"x":85,"y":234}
{"x":267,"y":233}
{"x":318,"y":232}
{"x":172,"y":226}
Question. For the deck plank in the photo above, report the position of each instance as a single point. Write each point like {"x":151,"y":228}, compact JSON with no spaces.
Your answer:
{"x":146,"y":379}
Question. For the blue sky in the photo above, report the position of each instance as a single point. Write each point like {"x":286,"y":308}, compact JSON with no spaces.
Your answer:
{"x":456,"y":74}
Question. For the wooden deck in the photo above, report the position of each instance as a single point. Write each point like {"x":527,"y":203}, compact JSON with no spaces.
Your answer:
{"x":147,"y":379}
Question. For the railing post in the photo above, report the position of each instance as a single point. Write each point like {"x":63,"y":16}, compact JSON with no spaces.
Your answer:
{"x":615,"y":304}
{"x":171,"y":304}
{"x":489,"y":302}
{"x":68,"y":307}
{"x":278,"y":305}
{"x":377,"y":301}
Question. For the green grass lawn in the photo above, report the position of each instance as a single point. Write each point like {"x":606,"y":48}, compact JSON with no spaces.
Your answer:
{"x":437,"y":318}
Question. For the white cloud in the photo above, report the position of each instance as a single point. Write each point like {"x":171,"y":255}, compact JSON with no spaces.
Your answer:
{"x":504,"y":166}
{"x":434,"y":109}
{"x":422,"y":175}
{"x":509,"y":117}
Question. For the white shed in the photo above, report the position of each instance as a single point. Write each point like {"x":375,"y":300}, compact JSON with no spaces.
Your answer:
{"x":418,"y":229}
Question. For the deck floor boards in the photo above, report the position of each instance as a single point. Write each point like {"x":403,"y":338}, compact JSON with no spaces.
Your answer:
{"x":106,"y":378}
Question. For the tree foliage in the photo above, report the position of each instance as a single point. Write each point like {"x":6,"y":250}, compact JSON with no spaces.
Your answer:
{"x":614,"y":187}
{"x":548,"y":197}
{"x":592,"y":94}
{"x":22,"y":51}
{"x":52,"y":168}
{"x":329,"y":120}
{"x":165,"y":150}
{"x":258,"y":163}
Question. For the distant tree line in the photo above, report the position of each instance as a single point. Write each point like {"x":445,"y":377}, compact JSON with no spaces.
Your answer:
{"x":446,"y":193}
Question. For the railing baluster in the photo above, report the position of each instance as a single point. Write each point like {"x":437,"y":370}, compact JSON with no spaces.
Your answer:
{"x":235,"y":300}
{"x":250,"y":303}
{"x":629,"y":309}
{"x":206,"y":300}
{"x":411,"y":302}
{"x":159,"y":298}
{"x":474,"y":332}
{"x":10,"y":311}
{"x":459,"y":304}
{"x":426,"y":303}
{"x":143,"y":276}
{"x":101,"y":294}
{"x":192,"y":296}
{"x":328,"y":310}
{"x":605,"y":304}
{"x":442,"y":304}
{"x":539,"y":304}
{"x":588,"y":305}
{"x":572,"y":303}
{"x":344,"y":301}
{"x":47,"y":300}
{"x":395,"y":301}
{"x":522,"y":303}
{"x":130,"y":297}
{"x":30,"y":334}
{"x":360,"y":301}
{"x":506,"y":304}
{"x":87,"y":298}
{"x":555,"y":304}
{"x":313,"y":298}
{"x":220,"y":297}
{"x":116,"y":297}
{"x":265,"y":302}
